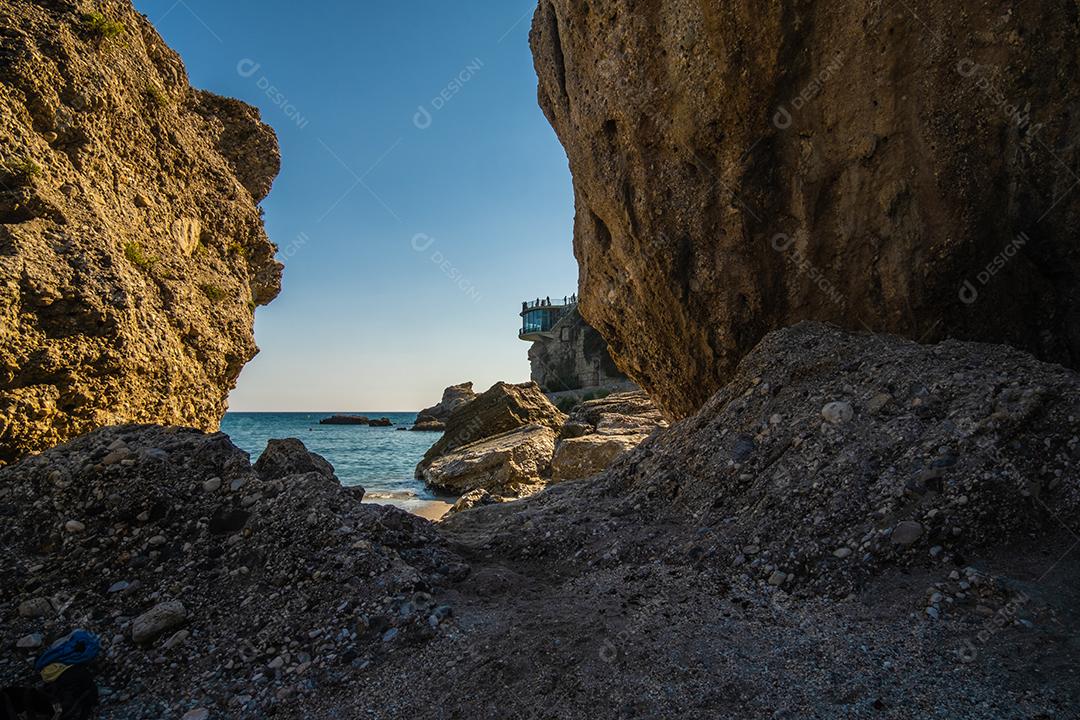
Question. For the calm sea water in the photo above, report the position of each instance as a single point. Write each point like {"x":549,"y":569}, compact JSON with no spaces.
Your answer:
{"x":382,"y":460}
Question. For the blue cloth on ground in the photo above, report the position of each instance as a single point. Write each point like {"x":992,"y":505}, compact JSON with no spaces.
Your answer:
{"x":77,"y":648}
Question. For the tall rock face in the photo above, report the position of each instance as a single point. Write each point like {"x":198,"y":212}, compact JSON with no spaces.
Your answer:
{"x":739,"y":167}
{"x":132,"y":252}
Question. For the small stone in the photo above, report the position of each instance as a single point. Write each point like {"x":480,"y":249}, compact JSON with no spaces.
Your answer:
{"x":35,"y":608}
{"x":777,"y":578}
{"x":389,"y":635}
{"x":196,"y":714}
{"x":119,"y":587}
{"x":30,"y":642}
{"x":176,"y":640}
{"x":116,"y":456}
{"x":906,"y":532}
{"x":212,"y":485}
{"x":157,"y":620}
{"x":878,"y":402}
{"x":157,"y":541}
{"x":750,"y":550}
{"x":837,"y":413}
{"x":936,"y":550}
{"x":933,"y":612}
{"x":842,"y":552}
{"x":74,"y":527}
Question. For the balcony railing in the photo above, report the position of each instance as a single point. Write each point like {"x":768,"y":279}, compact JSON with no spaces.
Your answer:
{"x":549,"y":302}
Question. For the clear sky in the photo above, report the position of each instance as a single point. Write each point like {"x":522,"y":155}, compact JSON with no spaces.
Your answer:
{"x":422,"y":195}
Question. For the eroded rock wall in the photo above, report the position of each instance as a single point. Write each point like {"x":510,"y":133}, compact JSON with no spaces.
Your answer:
{"x":742,"y":166}
{"x":132,"y":252}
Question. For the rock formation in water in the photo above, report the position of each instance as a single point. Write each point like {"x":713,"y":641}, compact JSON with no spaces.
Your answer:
{"x":520,"y":442}
{"x":433,"y":419}
{"x":739,"y":167}
{"x":502,"y":408}
{"x":132,"y":252}
{"x":500,"y":441}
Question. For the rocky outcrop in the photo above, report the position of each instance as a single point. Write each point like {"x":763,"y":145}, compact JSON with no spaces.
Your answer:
{"x":380,"y":422}
{"x":283,"y":458}
{"x":599,"y":431}
{"x":346,"y":420}
{"x":170,"y":547}
{"x":433,"y":419}
{"x":738,"y":168}
{"x":500,"y":409}
{"x":512,"y":463}
{"x":132,"y":253}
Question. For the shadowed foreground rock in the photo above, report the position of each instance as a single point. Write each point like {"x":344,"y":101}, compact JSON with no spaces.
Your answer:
{"x":132,"y":253}
{"x":210,"y":585}
{"x":756,"y":560}
{"x":855,"y":527}
{"x":741,"y":166}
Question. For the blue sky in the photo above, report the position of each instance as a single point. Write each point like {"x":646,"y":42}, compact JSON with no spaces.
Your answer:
{"x":422,"y":195}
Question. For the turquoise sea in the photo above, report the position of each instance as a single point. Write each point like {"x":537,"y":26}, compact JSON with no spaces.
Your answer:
{"x":381,"y":460}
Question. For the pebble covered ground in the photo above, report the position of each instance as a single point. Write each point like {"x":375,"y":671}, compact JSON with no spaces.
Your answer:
{"x":213,"y":586}
{"x":856,"y":527}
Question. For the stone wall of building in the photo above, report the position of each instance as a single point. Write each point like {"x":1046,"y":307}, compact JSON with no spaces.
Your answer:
{"x":575,"y":357}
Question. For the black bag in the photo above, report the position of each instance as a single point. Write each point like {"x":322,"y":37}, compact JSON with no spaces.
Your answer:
{"x":76,"y":692}
{"x":18,"y":703}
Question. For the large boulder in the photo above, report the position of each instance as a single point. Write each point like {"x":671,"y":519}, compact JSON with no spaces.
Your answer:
{"x":738,"y":167}
{"x":504,"y":407}
{"x":600,"y":431}
{"x":585,"y":456}
{"x":133,"y":252}
{"x":433,"y":419}
{"x":290,"y":456}
{"x":513,"y":463}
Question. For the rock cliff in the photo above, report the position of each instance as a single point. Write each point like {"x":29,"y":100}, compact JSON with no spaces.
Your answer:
{"x":739,"y":167}
{"x":132,"y":252}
